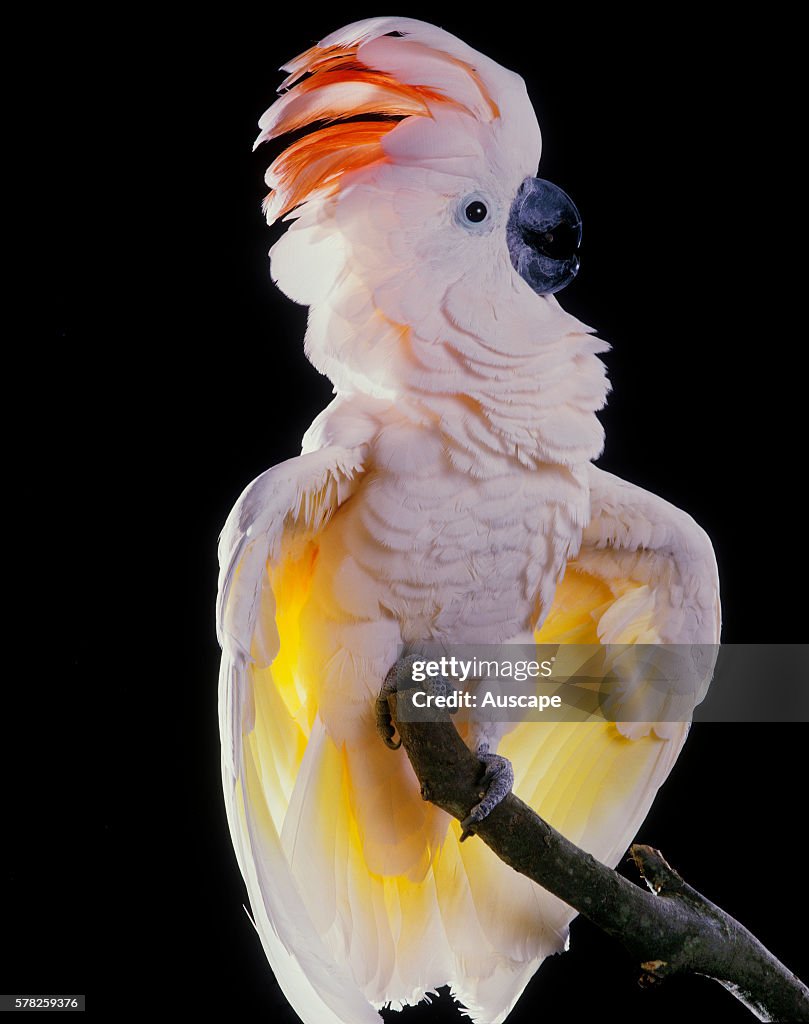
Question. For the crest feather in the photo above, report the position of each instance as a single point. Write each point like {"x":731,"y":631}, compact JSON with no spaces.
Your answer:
{"x":380,"y":75}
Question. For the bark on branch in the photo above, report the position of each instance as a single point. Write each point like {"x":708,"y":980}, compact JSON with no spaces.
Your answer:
{"x":672,"y":929}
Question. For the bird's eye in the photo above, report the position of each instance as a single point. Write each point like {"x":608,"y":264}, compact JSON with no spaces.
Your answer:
{"x":476,"y":211}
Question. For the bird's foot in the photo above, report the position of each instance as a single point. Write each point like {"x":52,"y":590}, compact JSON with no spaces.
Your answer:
{"x":496,"y":784}
{"x":401,"y":675}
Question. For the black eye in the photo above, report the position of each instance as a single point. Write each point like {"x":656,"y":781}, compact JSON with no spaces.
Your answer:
{"x":476,"y":211}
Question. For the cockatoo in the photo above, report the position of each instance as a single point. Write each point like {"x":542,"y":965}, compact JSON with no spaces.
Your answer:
{"x":446,"y":494}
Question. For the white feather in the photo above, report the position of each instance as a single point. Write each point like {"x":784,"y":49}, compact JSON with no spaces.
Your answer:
{"x":442,"y":495}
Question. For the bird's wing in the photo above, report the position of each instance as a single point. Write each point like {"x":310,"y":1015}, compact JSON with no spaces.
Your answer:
{"x":645,"y":574}
{"x":267,"y":550}
{"x":338,"y":936}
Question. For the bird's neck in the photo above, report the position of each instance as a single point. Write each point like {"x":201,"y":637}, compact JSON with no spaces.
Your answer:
{"x":524,"y":417}
{"x":536,"y":410}
{"x":521,"y":381}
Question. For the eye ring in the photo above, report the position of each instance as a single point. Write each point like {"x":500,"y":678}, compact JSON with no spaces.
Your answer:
{"x":474,"y":213}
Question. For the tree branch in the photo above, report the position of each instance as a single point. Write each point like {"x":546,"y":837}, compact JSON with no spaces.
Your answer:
{"x":671,"y":930}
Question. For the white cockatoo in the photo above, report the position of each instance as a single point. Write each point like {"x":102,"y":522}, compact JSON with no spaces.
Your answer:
{"x":446,"y":494}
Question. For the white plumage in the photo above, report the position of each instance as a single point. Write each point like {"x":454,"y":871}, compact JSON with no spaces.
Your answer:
{"x":446,"y":493}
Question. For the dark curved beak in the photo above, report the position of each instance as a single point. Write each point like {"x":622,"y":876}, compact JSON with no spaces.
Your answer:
{"x":543,"y":235}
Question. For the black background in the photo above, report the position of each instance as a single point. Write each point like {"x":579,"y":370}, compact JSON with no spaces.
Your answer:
{"x":177,"y":374}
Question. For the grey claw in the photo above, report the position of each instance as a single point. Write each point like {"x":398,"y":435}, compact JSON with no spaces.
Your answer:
{"x":402,"y":673}
{"x":497,"y":781}
{"x":384,"y":721}
{"x":390,"y":743}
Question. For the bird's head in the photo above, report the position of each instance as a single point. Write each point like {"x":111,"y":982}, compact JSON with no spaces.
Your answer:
{"x":419,"y":223}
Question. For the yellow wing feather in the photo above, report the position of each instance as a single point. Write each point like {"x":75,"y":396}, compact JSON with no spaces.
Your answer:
{"x":363,"y":891}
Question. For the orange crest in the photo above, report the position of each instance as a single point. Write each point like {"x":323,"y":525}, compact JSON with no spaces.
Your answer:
{"x":341,"y":88}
